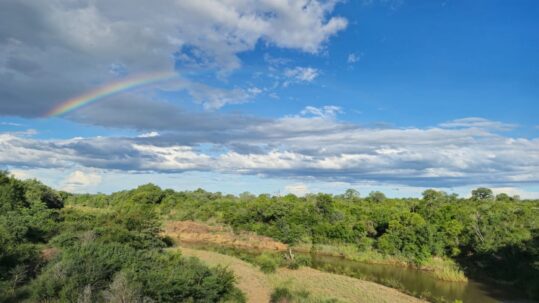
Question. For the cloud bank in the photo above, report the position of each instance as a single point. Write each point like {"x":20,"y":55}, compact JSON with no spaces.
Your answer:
{"x":314,"y":144}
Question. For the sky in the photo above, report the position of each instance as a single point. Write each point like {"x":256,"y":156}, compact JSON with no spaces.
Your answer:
{"x":272,"y":96}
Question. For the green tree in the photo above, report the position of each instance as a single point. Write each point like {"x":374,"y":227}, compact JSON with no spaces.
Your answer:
{"x":376,"y":196}
{"x":482,"y":194}
{"x":351,"y":194}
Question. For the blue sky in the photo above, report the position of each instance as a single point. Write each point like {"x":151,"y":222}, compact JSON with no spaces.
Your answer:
{"x":274,"y":96}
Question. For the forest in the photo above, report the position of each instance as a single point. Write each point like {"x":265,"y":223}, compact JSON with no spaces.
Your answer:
{"x":61,"y":247}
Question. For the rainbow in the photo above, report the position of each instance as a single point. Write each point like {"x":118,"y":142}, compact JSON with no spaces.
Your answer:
{"x":108,"y":90}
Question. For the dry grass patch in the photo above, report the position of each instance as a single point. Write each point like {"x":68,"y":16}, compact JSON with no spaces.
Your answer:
{"x":251,"y":281}
{"x":258,"y":286}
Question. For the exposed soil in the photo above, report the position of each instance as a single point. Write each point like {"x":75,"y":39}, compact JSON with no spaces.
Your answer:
{"x":195,"y":232}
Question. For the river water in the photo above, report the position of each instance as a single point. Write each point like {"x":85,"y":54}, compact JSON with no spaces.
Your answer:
{"x":412,"y":281}
{"x":418,"y":282}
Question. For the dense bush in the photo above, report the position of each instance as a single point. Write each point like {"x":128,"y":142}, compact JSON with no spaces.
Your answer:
{"x":109,"y":254}
{"x":27,"y":221}
{"x":488,"y":235}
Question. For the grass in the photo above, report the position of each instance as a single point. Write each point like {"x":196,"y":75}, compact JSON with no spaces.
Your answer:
{"x":321,"y":286}
{"x":444,"y":269}
{"x":285,"y":295}
{"x":353,"y":253}
{"x":441,"y":268}
{"x":233,"y":244}
{"x":268,"y":262}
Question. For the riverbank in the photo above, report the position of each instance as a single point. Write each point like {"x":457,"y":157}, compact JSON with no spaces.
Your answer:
{"x":258,"y":286}
{"x":441,"y":268}
{"x":201,"y":233}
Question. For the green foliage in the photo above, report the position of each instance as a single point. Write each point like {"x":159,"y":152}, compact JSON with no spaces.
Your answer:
{"x":146,"y":194}
{"x":409,"y":235}
{"x":26,"y":222}
{"x":482,"y":194}
{"x":351,"y":194}
{"x":268,"y":263}
{"x":376,"y":196}
{"x":297,"y":261}
{"x":497,"y":236}
{"x":112,"y":254}
{"x":417,"y":230}
{"x":285,"y":295}
{"x":171,"y":278}
{"x":281,"y":294}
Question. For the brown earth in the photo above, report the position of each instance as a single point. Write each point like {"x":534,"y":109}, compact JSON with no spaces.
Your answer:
{"x":195,"y":232}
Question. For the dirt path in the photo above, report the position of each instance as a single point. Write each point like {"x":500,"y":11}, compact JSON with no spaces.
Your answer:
{"x":258,"y":286}
{"x":252,"y":282}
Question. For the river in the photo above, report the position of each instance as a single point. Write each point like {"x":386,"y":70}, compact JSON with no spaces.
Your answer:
{"x":416,"y":282}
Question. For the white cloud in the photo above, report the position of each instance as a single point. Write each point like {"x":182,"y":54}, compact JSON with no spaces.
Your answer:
{"x":513,"y":191}
{"x":214,"y":98}
{"x":149,"y":135}
{"x":21,"y":174}
{"x":10,"y":124}
{"x":313,"y":145}
{"x":352,"y":58}
{"x":326,"y":112}
{"x":301,"y":74}
{"x":81,"y":181}
{"x":73,"y":46}
{"x":298,"y":189}
{"x":478,"y":123}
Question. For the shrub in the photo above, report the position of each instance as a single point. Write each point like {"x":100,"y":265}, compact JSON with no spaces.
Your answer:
{"x":268,"y":263}
{"x":281,"y":295}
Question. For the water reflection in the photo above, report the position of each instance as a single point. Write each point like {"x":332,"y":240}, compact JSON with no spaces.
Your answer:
{"x":409,"y":280}
{"x":417,"y":282}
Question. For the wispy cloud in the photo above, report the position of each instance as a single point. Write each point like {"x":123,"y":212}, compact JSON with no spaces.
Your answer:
{"x":478,"y":123}
{"x":300,"y":74}
{"x":326,"y":112}
{"x":352,"y":58}
{"x":10,"y":124}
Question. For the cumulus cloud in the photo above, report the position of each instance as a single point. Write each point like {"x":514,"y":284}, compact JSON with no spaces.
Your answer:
{"x":80,"y":181}
{"x":53,"y":50}
{"x":313,"y":145}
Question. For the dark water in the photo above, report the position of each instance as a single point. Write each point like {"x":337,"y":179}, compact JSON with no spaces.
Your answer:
{"x":415,"y":282}
{"x":418,"y":282}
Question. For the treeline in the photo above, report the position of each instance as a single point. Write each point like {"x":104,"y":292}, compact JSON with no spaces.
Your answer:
{"x":52,"y":253}
{"x":109,"y":246}
{"x":493,"y":236}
